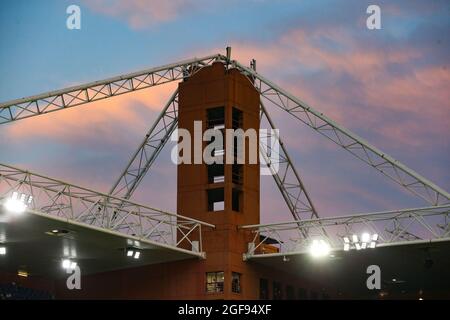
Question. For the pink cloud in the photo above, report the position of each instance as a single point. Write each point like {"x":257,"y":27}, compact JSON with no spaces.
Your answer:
{"x":79,"y":123}
{"x":142,"y":13}
{"x":421,"y":96}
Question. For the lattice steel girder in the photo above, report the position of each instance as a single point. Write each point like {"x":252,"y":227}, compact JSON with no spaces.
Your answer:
{"x":86,"y":206}
{"x":148,"y":150}
{"x":393,"y":228}
{"x":287,"y":178}
{"x":98,"y":90}
{"x":354,"y":144}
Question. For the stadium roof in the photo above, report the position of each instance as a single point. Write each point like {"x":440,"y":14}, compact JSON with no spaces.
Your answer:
{"x":33,"y":247}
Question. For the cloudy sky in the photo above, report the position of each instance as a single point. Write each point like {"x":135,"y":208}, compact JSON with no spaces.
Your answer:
{"x":390,"y":86}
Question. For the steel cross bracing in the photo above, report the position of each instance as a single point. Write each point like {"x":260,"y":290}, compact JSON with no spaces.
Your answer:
{"x":418,"y":225}
{"x":148,"y":150}
{"x":357,"y":146}
{"x":94,"y":209}
{"x":98,"y":90}
{"x":61,"y":99}
{"x":286,"y":178}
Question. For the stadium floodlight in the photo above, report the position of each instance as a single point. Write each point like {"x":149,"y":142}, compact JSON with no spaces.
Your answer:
{"x":133,"y":253}
{"x":365,"y":237}
{"x":66,"y":264}
{"x":18,"y":203}
{"x":319,"y":248}
{"x":22,"y":273}
{"x":69,"y":264}
{"x":2,"y":251}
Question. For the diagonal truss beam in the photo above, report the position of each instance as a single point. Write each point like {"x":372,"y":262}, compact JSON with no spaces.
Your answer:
{"x":98,"y":90}
{"x":346,"y":139}
{"x":148,"y":150}
{"x":287,"y":177}
{"x":417,"y":225}
{"x":78,"y":95}
{"x":94,"y":209}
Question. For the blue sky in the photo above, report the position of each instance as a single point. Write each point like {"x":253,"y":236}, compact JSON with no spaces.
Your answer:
{"x":389,"y":86}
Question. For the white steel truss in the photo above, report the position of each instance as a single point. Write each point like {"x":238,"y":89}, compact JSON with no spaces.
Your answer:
{"x":354,"y":144}
{"x":98,"y":90}
{"x":148,"y":150}
{"x":85,"y":206}
{"x":286,"y":177}
{"x":418,"y":225}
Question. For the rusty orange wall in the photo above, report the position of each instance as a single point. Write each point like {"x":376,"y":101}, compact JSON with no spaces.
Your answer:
{"x":177,"y":280}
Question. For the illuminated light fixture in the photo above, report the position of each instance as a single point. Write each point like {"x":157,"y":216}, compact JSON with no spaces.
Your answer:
{"x":22,"y":273}
{"x":68,"y":264}
{"x":365,"y":237}
{"x":319,"y":248}
{"x":18,"y":203}
{"x":2,"y":251}
{"x":366,"y":240}
{"x":131,"y":252}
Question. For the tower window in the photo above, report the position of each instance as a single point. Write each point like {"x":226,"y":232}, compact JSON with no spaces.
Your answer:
{"x":216,"y":199}
{"x":235,"y":282}
{"x":302,"y":294}
{"x":236,"y":202}
{"x":237,"y":173}
{"x":215,"y":118}
{"x":277,"y":291}
{"x":263,"y":289}
{"x":237,"y":118}
{"x":214,"y":282}
{"x":216,"y":173}
{"x":290,"y":295}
